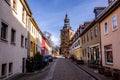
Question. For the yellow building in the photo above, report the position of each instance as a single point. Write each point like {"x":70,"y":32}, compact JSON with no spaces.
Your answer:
{"x":33,"y":35}
{"x":75,"y":45}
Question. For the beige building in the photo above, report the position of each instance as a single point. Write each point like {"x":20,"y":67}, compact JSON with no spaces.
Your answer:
{"x":91,"y":43}
{"x":110,"y":39}
{"x":13,"y":37}
{"x":90,"y":36}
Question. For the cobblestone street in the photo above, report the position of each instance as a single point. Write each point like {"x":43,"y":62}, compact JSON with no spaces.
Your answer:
{"x":65,"y":70}
{"x":59,"y":69}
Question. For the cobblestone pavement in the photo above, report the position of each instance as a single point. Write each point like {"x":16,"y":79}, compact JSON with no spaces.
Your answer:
{"x":59,"y":69}
{"x":37,"y":75}
{"x":66,"y":70}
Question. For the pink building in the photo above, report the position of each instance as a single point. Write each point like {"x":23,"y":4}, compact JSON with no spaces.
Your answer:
{"x":110,"y":35}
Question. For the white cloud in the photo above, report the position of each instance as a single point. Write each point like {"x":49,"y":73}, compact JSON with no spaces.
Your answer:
{"x":55,"y":40}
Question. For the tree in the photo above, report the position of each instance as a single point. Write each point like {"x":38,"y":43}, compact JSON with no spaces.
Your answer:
{"x":38,"y":57}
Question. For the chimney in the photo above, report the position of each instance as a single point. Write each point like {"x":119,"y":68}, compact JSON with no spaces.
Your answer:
{"x":109,"y":1}
{"x":98,"y":10}
{"x":81,"y":26}
{"x":87,"y":23}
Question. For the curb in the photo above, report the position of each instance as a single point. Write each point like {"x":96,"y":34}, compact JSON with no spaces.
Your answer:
{"x":88,"y":72}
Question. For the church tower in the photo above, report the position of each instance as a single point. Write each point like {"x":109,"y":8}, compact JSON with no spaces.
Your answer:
{"x":66,"y":35}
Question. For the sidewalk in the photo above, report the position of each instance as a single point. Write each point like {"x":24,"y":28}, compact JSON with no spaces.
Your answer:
{"x":93,"y":72}
{"x":18,"y":76}
{"x":29,"y":74}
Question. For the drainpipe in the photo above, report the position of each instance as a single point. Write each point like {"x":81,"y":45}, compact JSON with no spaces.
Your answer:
{"x":100,"y":44}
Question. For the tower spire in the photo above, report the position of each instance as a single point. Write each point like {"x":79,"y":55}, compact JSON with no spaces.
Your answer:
{"x":66,"y":21}
{"x":66,"y":14}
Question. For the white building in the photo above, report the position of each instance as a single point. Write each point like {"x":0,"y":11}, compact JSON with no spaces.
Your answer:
{"x":14,"y":15}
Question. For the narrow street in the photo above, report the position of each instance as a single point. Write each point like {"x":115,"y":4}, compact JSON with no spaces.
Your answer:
{"x":59,"y":69}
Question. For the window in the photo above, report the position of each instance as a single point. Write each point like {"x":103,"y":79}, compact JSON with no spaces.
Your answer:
{"x":3,"y":71}
{"x":22,"y":41}
{"x":13,"y":34}
{"x":95,"y":31}
{"x":26,"y":41}
{"x":108,"y":54}
{"x":10,"y":67}
{"x":84,"y":40}
{"x":105,"y":28}
{"x":29,"y":25}
{"x":114,"y":22}
{"x":91,"y":32}
{"x":32,"y":29}
{"x":31,"y":46}
{"x":4,"y":31}
{"x":15,"y":4}
{"x":26,"y":20}
{"x":23,"y":15}
{"x":78,"y":42}
{"x":87,"y":37}
{"x":83,"y":52}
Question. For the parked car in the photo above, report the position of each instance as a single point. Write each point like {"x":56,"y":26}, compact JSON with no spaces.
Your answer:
{"x":39,"y":65}
{"x":50,"y":58}
{"x":45,"y":60}
{"x":79,"y":61}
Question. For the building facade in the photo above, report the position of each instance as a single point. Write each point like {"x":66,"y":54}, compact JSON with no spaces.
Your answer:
{"x":110,"y":40}
{"x":13,"y":37}
{"x":34,"y":38}
{"x":66,"y":35}
{"x":91,"y":44}
{"x":75,"y":45}
{"x":20,"y":37}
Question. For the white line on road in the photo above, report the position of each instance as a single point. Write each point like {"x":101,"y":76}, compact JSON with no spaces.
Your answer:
{"x":50,"y":73}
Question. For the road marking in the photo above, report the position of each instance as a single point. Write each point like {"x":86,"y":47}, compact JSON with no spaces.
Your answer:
{"x":50,"y":73}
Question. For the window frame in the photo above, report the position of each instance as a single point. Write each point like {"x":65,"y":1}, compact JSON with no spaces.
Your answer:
{"x":91,"y":33}
{"x":26,"y":43}
{"x":87,"y":37}
{"x":105,"y":53}
{"x":14,"y":42}
{"x":95,"y":31}
{"x":10,"y":71}
{"x":4,"y":71}
{"x":105,"y":27}
{"x":6,"y":32}
{"x":23,"y":15}
{"x":14,"y":5}
{"x":114,"y":22}
{"x":22,"y":41}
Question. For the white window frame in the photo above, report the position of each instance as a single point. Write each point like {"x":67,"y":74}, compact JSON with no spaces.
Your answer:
{"x":114,"y":23}
{"x":106,"y":55}
{"x":105,"y":31}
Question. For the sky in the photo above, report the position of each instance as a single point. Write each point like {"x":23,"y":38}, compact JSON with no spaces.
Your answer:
{"x":50,"y":14}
